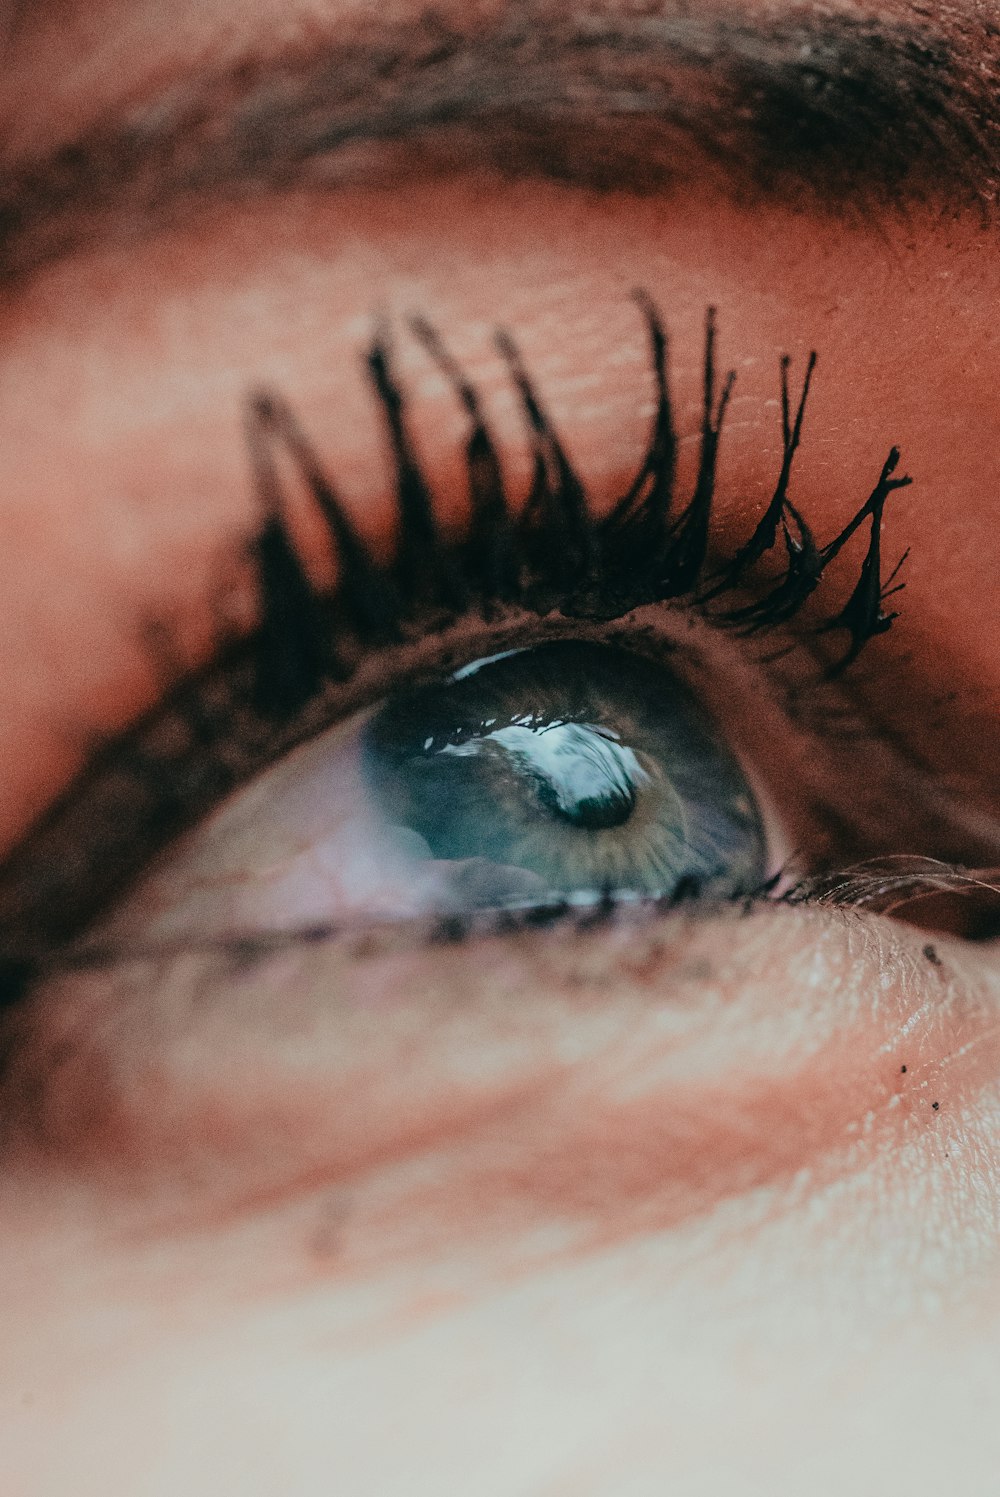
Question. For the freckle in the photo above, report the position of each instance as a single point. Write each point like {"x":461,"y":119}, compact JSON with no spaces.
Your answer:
{"x":935,"y":1105}
{"x":902,"y":1070}
{"x":364,"y":949}
{"x":327,"y":1239}
{"x":930,"y":952}
{"x":697,"y":970}
{"x":646,"y":969}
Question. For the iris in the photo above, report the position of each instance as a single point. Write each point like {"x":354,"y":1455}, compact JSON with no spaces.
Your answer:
{"x":568,"y":768}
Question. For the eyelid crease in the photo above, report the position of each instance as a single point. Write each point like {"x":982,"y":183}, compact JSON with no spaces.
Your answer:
{"x":553,"y":553}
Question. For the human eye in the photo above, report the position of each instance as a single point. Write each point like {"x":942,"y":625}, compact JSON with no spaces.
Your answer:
{"x":363,"y":765}
{"x":538,"y":741}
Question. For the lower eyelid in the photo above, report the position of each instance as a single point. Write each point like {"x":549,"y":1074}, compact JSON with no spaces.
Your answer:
{"x":671,"y":1062}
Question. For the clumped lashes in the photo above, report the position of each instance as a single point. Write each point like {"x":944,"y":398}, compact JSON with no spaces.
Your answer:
{"x":549,"y":555}
{"x":553,"y":555}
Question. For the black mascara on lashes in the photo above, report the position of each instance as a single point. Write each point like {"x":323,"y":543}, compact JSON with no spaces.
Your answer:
{"x":549,"y":555}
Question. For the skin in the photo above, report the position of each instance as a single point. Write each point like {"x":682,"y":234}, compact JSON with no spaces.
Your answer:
{"x":654,"y":1207}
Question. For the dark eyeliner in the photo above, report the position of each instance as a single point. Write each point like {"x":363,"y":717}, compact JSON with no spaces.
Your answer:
{"x":549,"y":555}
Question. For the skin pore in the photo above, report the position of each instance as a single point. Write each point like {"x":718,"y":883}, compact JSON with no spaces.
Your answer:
{"x":703,"y":1204}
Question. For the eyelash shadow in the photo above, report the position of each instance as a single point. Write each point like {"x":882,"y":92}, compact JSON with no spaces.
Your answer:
{"x":550,"y":555}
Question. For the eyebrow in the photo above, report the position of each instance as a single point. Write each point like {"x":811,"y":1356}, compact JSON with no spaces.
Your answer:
{"x":833,"y":113}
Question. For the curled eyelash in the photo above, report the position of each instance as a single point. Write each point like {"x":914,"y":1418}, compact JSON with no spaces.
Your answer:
{"x":887,"y":886}
{"x":550,"y":555}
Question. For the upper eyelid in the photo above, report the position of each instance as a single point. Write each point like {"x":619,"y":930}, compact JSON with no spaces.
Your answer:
{"x":643,"y":551}
{"x":666,"y":549}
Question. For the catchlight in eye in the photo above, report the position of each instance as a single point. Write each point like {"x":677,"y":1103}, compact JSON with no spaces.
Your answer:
{"x":570,"y":768}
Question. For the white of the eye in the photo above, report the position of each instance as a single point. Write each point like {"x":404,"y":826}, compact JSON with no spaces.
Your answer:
{"x":304,"y":845}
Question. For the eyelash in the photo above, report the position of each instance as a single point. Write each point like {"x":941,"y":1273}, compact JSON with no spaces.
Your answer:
{"x":552,"y":555}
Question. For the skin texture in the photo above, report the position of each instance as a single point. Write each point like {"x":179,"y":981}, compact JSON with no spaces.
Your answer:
{"x":704,"y":1205}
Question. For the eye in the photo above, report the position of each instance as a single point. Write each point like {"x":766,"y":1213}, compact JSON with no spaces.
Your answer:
{"x":568,"y":770}
{"x":523,"y":735}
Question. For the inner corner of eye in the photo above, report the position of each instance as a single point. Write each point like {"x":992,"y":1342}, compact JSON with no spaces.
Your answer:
{"x":564,"y":772}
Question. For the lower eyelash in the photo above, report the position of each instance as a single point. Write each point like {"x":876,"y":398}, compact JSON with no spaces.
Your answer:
{"x":889,"y":885}
{"x":552,"y":555}
{"x":365,"y":940}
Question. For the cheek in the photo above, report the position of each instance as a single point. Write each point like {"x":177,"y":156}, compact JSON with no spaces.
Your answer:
{"x":600,"y":1081}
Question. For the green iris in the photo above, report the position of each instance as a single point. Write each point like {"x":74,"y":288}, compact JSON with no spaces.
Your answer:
{"x":568,"y":768}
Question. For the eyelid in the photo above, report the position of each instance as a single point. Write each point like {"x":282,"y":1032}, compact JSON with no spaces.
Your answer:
{"x":365,"y":1052}
{"x":565,"y":557}
{"x":725,"y":679}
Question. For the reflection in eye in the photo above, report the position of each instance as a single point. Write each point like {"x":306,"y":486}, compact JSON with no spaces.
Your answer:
{"x":518,"y":574}
{"x":567,"y":768}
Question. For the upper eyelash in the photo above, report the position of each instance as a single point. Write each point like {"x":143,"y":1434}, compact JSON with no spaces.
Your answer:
{"x":551,"y":555}
{"x":554,"y":555}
